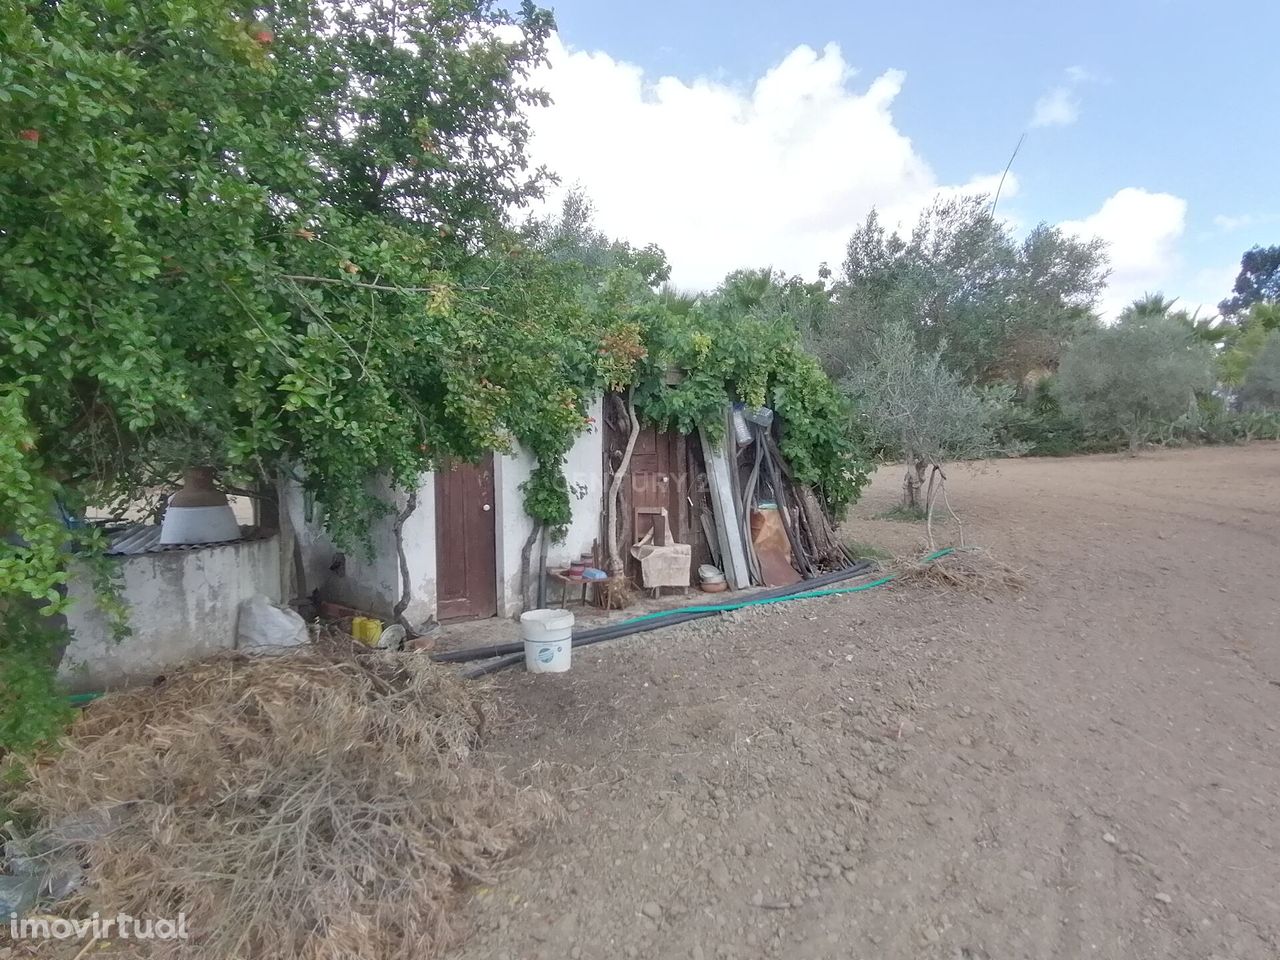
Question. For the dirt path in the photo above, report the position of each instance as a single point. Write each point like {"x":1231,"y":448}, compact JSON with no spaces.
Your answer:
{"x":1088,"y":768}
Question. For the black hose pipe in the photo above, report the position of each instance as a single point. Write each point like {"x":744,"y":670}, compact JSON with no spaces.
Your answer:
{"x":672,"y":617}
{"x":492,"y":666}
{"x":582,"y":638}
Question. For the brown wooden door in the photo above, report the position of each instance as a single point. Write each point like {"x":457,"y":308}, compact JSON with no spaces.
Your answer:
{"x":657,"y":481}
{"x":466,"y":551}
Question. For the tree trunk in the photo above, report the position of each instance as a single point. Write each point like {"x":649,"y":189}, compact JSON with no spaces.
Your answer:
{"x":525,"y":557}
{"x":614,"y":501}
{"x":912,"y":483}
{"x":542,"y":566}
{"x":406,"y":588}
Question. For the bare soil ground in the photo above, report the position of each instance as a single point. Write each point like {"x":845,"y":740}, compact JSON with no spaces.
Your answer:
{"x":1089,"y":767}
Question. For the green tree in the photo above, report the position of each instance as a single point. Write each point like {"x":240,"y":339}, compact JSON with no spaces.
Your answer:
{"x":1127,"y":379}
{"x":1260,"y":390}
{"x":771,"y":296}
{"x":1149,"y":306}
{"x":1257,"y":282}
{"x":742,"y":340}
{"x":911,"y":405}
{"x":1244,"y":341}
{"x":1156,"y":306}
{"x":260,"y":234}
{"x":1004,"y":308}
{"x":572,"y":237}
{"x":235,"y":265}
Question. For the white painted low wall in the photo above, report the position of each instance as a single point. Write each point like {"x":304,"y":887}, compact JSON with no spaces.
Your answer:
{"x":183,"y":606}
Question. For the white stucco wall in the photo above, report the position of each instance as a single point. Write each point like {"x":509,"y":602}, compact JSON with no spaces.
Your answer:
{"x":584,"y":470}
{"x":419,"y":537}
{"x":374,"y":584}
{"x":183,"y":606}
{"x":307,"y":552}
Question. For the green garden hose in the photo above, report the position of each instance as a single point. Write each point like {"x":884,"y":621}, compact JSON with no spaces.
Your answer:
{"x":828,"y":592}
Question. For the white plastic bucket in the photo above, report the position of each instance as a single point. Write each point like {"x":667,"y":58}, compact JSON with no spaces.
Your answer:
{"x":548,"y":640}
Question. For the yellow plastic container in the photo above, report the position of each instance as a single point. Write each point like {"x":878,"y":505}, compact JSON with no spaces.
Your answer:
{"x":367,"y":630}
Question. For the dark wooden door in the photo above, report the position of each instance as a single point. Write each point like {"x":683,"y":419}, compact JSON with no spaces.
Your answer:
{"x":466,"y":553}
{"x":657,"y":481}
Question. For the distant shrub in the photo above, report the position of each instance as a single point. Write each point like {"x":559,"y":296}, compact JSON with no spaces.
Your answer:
{"x":1037,"y":423}
{"x":1260,"y":391}
{"x":1211,"y":423}
{"x":1134,"y":377}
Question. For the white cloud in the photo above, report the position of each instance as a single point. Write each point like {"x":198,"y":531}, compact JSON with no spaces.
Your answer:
{"x":1060,"y":107}
{"x":1229,"y":224}
{"x":1142,"y":230}
{"x":778,"y":172}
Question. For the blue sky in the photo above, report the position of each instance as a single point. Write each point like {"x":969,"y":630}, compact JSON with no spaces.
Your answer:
{"x":1167,"y":108}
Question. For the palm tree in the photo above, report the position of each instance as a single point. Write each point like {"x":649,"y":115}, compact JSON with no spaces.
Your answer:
{"x":677,"y":302}
{"x":1155,"y":307}
{"x":1149,"y":306}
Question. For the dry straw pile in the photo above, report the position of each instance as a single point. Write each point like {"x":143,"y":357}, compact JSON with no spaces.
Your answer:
{"x":316,"y":805}
{"x":965,"y":568}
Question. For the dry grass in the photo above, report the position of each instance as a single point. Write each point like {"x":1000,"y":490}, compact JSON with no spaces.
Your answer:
{"x":320,"y":805}
{"x":965,"y":568}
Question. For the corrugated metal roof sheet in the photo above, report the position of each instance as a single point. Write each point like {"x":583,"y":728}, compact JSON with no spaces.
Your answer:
{"x":139,"y":538}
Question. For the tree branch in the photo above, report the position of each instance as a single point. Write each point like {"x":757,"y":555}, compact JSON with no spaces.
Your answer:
{"x":386,"y":288}
{"x":616,"y":565}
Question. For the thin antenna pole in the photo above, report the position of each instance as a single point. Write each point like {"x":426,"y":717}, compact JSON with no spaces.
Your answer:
{"x":1000,"y":186}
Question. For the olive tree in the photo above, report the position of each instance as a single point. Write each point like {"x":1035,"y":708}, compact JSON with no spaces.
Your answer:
{"x":1261,"y":387}
{"x":1005,"y":307}
{"x":912,"y":405}
{"x":1129,"y":378}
